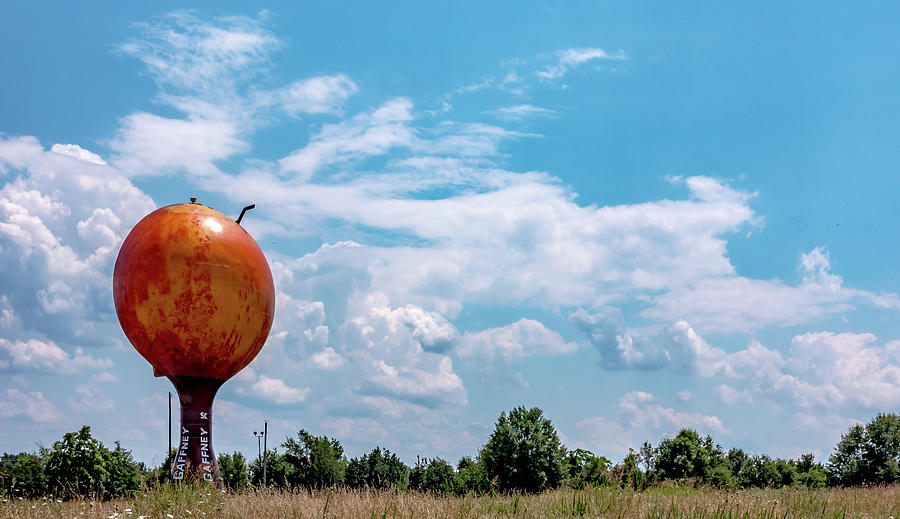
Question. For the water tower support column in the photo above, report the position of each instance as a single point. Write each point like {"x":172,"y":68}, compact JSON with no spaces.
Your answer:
{"x":195,"y":458}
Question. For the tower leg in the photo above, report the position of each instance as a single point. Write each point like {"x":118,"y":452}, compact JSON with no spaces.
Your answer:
{"x":195,"y":459}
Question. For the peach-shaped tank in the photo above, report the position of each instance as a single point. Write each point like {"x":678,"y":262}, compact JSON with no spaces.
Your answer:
{"x":194,"y":295}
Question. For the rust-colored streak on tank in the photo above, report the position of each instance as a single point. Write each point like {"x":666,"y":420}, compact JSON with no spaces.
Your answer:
{"x":193,"y":292}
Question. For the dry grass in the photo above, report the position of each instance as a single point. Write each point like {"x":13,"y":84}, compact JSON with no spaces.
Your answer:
{"x":669,"y":502}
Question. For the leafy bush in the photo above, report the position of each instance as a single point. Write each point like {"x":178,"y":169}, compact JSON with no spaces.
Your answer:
{"x":471,"y":477}
{"x":377,"y":469}
{"x":123,"y":478}
{"x":687,"y":455}
{"x":434,"y":475}
{"x":584,"y":469}
{"x":628,"y":474}
{"x":277,"y":470}
{"x":869,"y":454}
{"x":524,"y":452}
{"x":317,"y":461}
{"x":80,"y":466}
{"x":233,"y":468}
{"x":22,"y":475}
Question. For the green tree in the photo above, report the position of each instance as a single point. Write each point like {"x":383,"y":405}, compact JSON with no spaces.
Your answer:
{"x":471,"y":477}
{"x":377,"y":469}
{"x":524,"y":452}
{"x":786,"y":473}
{"x":318,"y":461}
{"x":76,"y":466}
{"x":432,"y":475}
{"x":740,"y":465}
{"x":235,"y":475}
{"x":809,"y":473}
{"x":278,"y":470}
{"x":629,"y":472}
{"x":764,"y":472}
{"x":688,"y":455}
{"x":868,"y":454}
{"x":720,"y":476}
{"x":583,"y":469}
{"x":122,"y":472}
{"x":22,"y":475}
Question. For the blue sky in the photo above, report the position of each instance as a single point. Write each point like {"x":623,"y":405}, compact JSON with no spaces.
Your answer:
{"x":637,"y":217}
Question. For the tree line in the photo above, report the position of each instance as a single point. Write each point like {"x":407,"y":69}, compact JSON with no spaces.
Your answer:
{"x":522,"y":454}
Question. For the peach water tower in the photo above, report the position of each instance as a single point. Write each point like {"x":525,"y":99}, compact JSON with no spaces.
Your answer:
{"x":195,"y":297}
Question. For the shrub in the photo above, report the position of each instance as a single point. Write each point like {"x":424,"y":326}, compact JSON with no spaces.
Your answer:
{"x":585,"y":469}
{"x":317,"y":461}
{"x":434,"y":475}
{"x":22,"y":475}
{"x":377,"y":469}
{"x":471,"y":477}
{"x":277,"y":470}
{"x":869,"y":454}
{"x":233,"y":468}
{"x":80,"y":466}
{"x":524,"y":452}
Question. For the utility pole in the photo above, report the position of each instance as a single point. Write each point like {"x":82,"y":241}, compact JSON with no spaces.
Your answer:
{"x":169,"y":452}
{"x":265,"y":452}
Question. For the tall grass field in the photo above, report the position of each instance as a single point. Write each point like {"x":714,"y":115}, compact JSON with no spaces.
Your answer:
{"x":659,"y":502}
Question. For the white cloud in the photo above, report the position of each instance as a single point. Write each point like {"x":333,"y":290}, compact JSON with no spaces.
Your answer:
{"x":247,"y":374}
{"x":522,"y":238}
{"x":366,"y":134}
{"x":397,"y":352}
{"x":274,"y":390}
{"x":428,"y":388}
{"x":89,"y":398}
{"x":151,"y":411}
{"x":148,"y":144}
{"x":299,"y":323}
{"x":327,"y":359}
{"x":47,"y":356}
{"x":745,"y":304}
{"x":515,"y":341}
{"x":643,"y":412}
{"x":689,"y":352}
{"x":511,"y":82}
{"x":76,"y":151}
{"x":210,"y":70}
{"x":822,"y":370}
{"x":430,"y":329}
{"x":756,"y":362}
{"x":567,"y":59}
{"x":520,"y":112}
{"x":104,"y":376}
{"x":641,"y":418}
{"x":61,"y":219}
{"x":831,"y":370}
{"x":186,"y":53}
{"x":606,"y":437}
{"x":730,"y":396}
{"x":31,"y":405}
{"x":619,"y":347}
{"x":318,"y":95}
{"x":227,"y":411}
{"x":684,"y":395}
